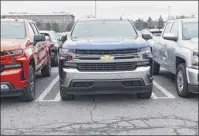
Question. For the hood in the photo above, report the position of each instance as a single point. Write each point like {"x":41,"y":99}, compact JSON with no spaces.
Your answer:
{"x":190,"y":44}
{"x":105,"y":43}
{"x":12,"y":44}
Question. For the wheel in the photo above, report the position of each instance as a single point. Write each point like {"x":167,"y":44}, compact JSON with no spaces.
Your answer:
{"x":29,"y":93}
{"x":181,"y":81}
{"x":156,"y":68}
{"x":66,"y":97}
{"x":145,"y":95}
{"x":46,"y":70}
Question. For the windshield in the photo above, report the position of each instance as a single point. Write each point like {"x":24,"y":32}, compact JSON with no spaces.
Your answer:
{"x":190,"y":30}
{"x":103,"y":29}
{"x":12,"y":30}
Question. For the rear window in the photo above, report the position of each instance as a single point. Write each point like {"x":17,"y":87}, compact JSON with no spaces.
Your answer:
{"x":14,"y":30}
{"x":190,"y":30}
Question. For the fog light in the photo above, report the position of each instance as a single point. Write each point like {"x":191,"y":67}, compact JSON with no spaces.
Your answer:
{"x":4,"y":87}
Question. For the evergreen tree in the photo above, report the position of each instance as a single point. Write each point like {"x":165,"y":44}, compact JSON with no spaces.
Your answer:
{"x":55,"y":27}
{"x":150,"y":23}
{"x":48,"y":26}
{"x":160,"y":24}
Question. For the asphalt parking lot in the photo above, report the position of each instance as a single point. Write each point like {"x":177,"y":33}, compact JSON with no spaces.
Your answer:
{"x":165,"y":113}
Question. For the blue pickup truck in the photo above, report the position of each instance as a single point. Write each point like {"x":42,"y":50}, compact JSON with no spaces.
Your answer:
{"x":105,"y":56}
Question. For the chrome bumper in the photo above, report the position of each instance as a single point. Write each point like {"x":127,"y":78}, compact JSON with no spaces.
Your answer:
{"x":142,"y":73}
{"x":192,"y":79}
{"x":192,"y":76}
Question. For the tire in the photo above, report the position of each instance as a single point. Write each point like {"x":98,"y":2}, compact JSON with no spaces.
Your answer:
{"x":156,"y":68}
{"x":29,"y":93}
{"x":181,"y":81}
{"x":66,"y":97}
{"x":46,"y":70}
{"x":145,"y":95}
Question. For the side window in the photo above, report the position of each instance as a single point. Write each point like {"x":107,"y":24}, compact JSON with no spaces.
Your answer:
{"x":31,"y":32}
{"x":167,"y":28}
{"x":174,"y":29}
{"x":34,"y":29}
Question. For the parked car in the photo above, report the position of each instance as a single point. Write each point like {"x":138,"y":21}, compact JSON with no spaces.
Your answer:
{"x":23,"y":52}
{"x":177,"y":50}
{"x":105,"y":56}
{"x":55,"y":43}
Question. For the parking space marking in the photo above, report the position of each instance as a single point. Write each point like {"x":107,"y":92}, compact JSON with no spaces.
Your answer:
{"x":153,"y":96}
{"x":167,"y":93}
{"x":48,"y":89}
{"x":58,"y":97}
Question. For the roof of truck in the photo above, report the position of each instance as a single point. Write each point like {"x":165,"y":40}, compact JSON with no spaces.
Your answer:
{"x":186,"y":20}
{"x":16,"y":20}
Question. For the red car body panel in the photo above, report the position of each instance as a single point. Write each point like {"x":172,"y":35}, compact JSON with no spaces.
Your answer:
{"x":17,"y":77}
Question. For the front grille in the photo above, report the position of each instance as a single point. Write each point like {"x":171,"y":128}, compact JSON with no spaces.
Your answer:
{"x":106,"y":52}
{"x":107,"y":66}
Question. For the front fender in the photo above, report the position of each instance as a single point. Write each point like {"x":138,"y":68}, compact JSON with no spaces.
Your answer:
{"x":185,"y":54}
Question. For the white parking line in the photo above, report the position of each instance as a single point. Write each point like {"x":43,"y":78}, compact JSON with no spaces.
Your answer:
{"x":153,"y":96}
{"x":58,"y":98}
{"x":47,"y":90}
{"x":168,"y":94}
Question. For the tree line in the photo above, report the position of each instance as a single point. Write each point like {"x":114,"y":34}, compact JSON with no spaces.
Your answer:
{"x":149,"y":23}
{"x":139,"y":24}
{"x":57,"y":27}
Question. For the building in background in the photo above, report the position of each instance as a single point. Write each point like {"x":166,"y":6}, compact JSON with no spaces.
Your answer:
{"x":56,"y":21}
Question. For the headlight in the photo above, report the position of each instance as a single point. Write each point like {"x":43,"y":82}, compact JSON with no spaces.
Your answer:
{"x":145,"y":52}
{"x":12,"y":66}
{"x":195,"y":59}
{"x":66,"y":54}
{"x":14,"y":52}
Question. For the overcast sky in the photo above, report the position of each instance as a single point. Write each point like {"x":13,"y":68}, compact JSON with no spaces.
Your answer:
{"x":131,"y":9}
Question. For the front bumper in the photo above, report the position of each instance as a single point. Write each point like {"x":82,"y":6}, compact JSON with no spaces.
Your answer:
{"x":138,"y":80}
{"x":11,"y":91}
{"x":15,"y":77}
{"x":193,"y":79}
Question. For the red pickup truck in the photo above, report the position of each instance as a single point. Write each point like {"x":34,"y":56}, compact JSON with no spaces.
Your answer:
{"x":23,"y":52}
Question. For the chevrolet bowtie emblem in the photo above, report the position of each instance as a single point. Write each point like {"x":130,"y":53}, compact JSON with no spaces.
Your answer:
{"x":107,"y":58}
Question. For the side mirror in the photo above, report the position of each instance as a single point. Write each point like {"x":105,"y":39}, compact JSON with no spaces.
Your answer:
{"x":146,"y":36}
{"x":64,"y":38}
{"x":39,"y":38}
{"x":170,"y":37}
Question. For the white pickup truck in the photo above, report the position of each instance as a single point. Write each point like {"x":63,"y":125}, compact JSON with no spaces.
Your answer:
{"x":177,"y":51}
